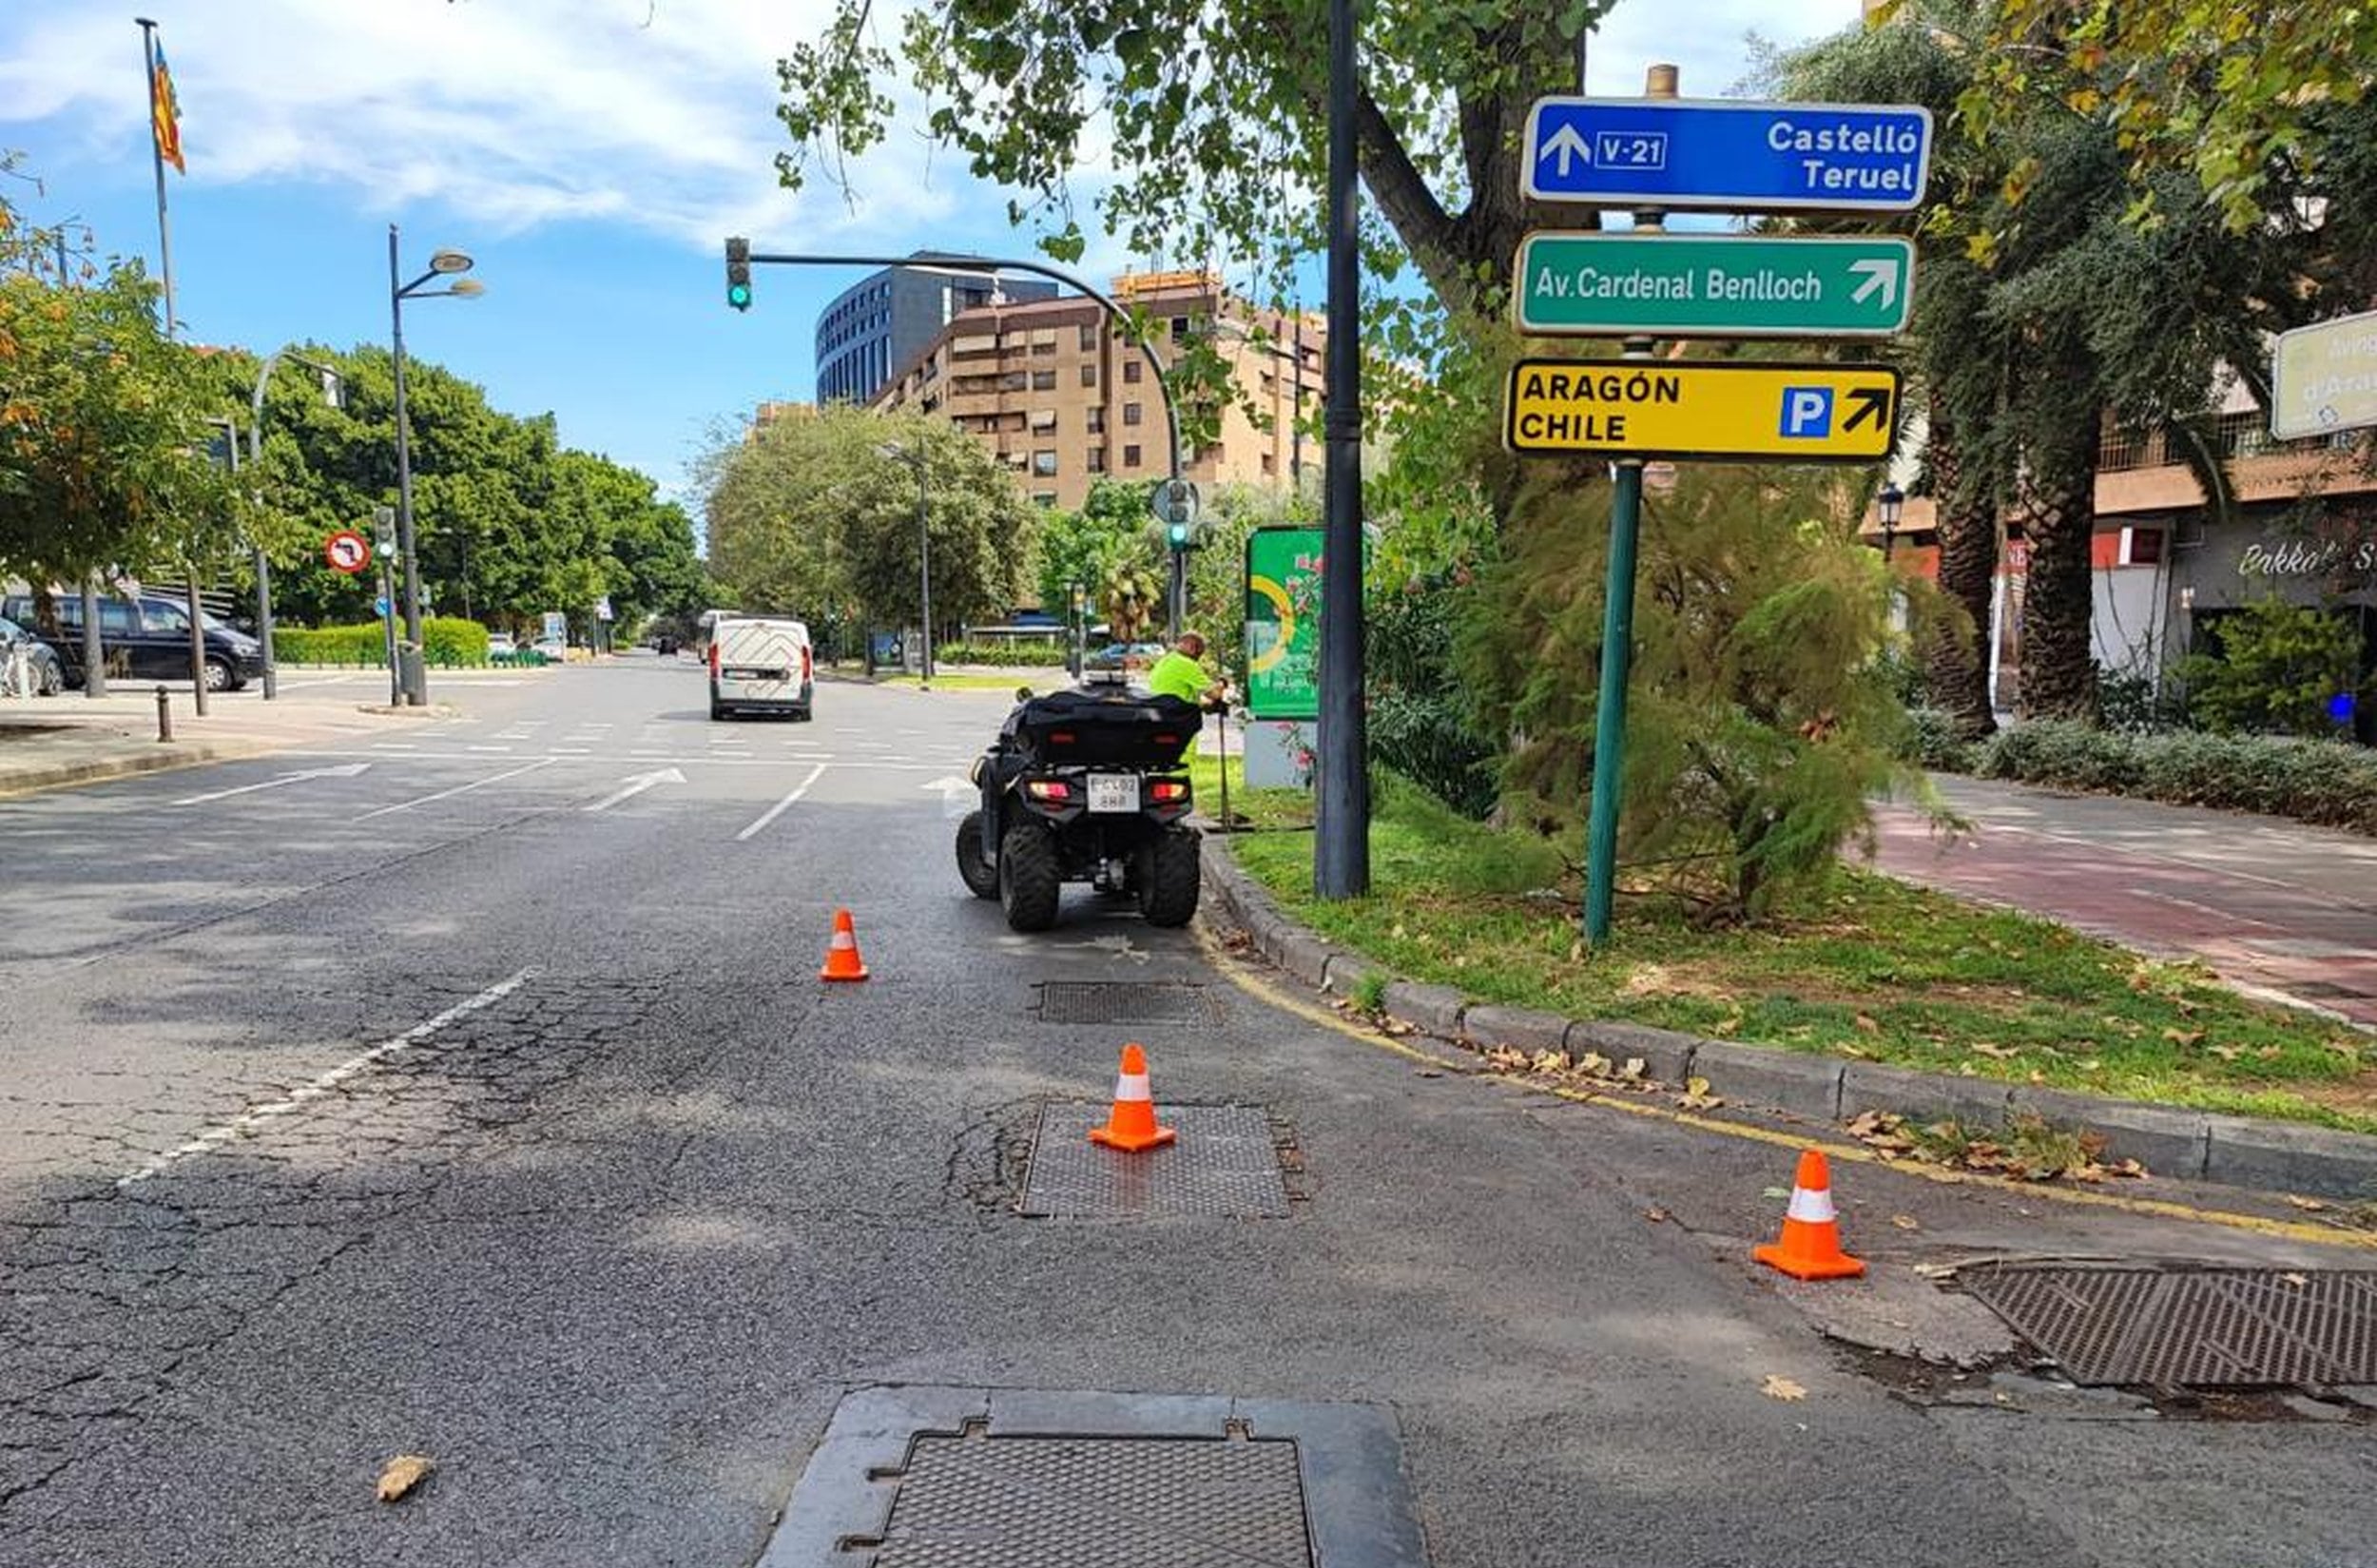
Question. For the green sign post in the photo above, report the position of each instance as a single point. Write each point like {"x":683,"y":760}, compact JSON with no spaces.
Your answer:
{"x":1732,"y":285}
{"x":1283,"y":622}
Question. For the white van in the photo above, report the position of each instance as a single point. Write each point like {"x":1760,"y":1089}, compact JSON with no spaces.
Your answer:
{"x":760,"y":664}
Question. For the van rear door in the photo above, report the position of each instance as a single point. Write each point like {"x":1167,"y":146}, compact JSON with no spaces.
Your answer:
{"x":760,"y":663}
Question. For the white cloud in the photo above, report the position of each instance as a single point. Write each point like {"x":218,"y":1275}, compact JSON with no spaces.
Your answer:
{"x":658,"y":113}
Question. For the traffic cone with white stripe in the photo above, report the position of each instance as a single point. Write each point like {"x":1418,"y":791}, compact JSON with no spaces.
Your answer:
{"x":1810,"y":1247}
{"x":1132,"y":1125}
{"x":841,"y":954}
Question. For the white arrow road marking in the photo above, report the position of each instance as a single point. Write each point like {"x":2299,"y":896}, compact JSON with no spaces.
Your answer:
{"x":1567,"y":145}
{"x":782,"y":806}
{"x":959,"y":796}
{"x":458,"y":790}
{"x":345,"y":770}
{"x":314,"y":1088}
{"x":636,"y":783}
{"x":1880,"y":272}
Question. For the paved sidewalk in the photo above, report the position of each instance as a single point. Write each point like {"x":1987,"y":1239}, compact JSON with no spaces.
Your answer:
{"x":46,"y":742}
{"x":2271,"y":905}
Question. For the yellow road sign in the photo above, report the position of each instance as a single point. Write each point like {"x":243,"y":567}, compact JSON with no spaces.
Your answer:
{"x":1674,"y":408}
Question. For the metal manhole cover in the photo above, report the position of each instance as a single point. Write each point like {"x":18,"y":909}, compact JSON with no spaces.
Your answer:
{"x":1096,"y":1502}
{"x":1225,"y":1165}
{"x":2191,"y":1328}
{"x":918,"y":1476}
{"x":1125,"y":1001}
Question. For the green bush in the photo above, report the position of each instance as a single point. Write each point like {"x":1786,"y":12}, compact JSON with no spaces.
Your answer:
{"x":2279,"y":667}
{"x":446,"y":642}
{"x":1931,"y":741}
{"x":1015,"y":655}
{"x":1422,"y":721}
{"x":2325,"y":781}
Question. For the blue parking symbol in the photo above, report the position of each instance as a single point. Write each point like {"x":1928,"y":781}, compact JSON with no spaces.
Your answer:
{"x":1808,"y":412}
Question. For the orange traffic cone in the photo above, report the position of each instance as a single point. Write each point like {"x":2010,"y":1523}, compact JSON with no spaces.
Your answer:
{"x":841,"y":954}
{"x":1810,"y":1247}
{"x":1131,"y":1128}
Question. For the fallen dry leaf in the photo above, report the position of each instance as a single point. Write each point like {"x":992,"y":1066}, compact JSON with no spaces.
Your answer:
{"x":1696,"y":1096}
{"x":2313,"y":1205}
{"x":1549,"y":1061}
{"x":2182,"y":1036}
{"x":1508,"y":1058}
{"x":1656,"y":1216}
{"x":1725,"y":1025}
{"x":1780,"y":1387}
{"x":1907,"y":1221}
{"x":2228,"y":1053}
{"x":2296,"y":1280}
{"x":1868,"y":1022}
{"x":403,"y":1473}
{"x":1991,"y":1048}
{"x":1632,"y":1068}
{"x":1594,"y":1063}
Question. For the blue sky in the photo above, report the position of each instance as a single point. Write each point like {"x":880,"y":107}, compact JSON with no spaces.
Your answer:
{"x":589,"y":154}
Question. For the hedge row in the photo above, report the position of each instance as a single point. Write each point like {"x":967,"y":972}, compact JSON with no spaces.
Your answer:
{"x":447,"y":641}
{"x":1016,"y":655}
{"x":2329,"y":783}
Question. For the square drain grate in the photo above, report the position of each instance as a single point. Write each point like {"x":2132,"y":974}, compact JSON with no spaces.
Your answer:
{"x":1127,"y":1001}
{"x":920,"y":1475}
{"x":1225,"y":1165}
{"x":2191,"y":1328}
{"x":979,"y":1501}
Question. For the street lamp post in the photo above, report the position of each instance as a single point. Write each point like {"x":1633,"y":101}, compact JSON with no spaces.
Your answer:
{"x":331,"y":391}
{"x":924,"y":558}
{"x":1891,"y":504}
{"x":442,"y":264}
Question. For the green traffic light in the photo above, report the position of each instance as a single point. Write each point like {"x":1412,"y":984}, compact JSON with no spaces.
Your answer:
{"x":1180,"y":535}
{"x":738,"y":296}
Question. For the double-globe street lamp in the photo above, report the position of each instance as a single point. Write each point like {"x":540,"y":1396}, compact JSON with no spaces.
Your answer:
{"x":442,"y":264}
{"x":915,"y":454}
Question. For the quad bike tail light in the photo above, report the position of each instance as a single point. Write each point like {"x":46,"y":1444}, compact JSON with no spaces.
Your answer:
{"x":1049,"y":789}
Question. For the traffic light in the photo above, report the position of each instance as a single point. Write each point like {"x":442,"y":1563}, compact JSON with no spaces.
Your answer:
{"x":738,"y":272}
{"x":1176,"y":534}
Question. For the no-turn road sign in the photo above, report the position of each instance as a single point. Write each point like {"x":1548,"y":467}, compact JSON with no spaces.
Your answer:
{"x":347,"y":550}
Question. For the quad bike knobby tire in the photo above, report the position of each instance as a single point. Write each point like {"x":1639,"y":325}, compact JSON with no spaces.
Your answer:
{"x":1030,"y":877}
{"x":1168,"y":878}
{"x":981,"y":876}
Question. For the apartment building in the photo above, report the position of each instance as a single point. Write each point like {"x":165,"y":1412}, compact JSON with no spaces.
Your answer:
{"x":887,"y":317}
{"x":1053,"y":388}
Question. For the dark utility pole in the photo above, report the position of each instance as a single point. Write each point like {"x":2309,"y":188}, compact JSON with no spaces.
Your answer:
{"x":1341,"y":849}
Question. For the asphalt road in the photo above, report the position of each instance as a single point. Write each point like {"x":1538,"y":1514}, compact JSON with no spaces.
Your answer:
{"x":483,"y":1103}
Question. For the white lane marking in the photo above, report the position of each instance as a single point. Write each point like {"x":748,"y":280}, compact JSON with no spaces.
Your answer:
{"x":491,"y":748}
{"x":636,"y":783}
{"x":782,"y":806}
{"x":313,"y":1089}
{"x":458,"y":790}
{"x":572,"y":751}
{"x":344,"y":771}
{"x":679,"y":760}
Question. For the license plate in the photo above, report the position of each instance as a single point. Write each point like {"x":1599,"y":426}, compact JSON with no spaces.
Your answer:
{"x":749,"y":674}
{"x":1113,"y":792}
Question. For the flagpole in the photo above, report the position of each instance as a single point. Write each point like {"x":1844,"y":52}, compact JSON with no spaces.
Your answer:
{"x":157,"y":155}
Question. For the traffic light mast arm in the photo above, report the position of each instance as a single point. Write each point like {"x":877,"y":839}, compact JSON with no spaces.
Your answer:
{"x":956,"y":262}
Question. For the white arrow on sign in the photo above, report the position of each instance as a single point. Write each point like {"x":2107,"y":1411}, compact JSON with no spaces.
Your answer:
{"x":345,"y":770}
{"x":1880,"y":273}
{"x":636,"y":783}
{"x":1570,"y":146}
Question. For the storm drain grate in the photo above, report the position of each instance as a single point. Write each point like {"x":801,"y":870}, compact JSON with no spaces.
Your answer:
{"x":2191,"y":1328}
{"x":1225,"y":1165}
{"x":1098,"y":1502}
{"x":1125,"y":1001}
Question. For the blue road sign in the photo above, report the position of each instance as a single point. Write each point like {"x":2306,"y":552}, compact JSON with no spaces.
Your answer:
{"x":1732,"y":157}
{"x":379,"y":607}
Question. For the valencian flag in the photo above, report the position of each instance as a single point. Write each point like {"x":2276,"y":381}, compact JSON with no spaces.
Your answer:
{"x":165,"y":113}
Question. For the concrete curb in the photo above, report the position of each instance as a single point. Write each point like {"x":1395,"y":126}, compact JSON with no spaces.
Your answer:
{"x":35,"y":776}
{"x":2173,"y":1141}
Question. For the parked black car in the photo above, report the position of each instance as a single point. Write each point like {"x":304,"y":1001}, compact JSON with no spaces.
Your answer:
{"x":45,"y":676}
{"x":145,"y":638}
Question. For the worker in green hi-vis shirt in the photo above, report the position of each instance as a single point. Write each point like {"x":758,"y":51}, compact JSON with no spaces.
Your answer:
{"x":1181,"y":673}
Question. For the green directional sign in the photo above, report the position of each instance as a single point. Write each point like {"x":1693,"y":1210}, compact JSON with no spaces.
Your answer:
{"x":1730,"y":285}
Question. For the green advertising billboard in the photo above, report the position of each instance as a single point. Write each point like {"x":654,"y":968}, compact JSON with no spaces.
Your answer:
{"x":1283,"y":622}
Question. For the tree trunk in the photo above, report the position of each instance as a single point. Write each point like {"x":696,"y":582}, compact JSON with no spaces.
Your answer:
{"x":1956,"y":652}
{"x":2059,"y":511}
